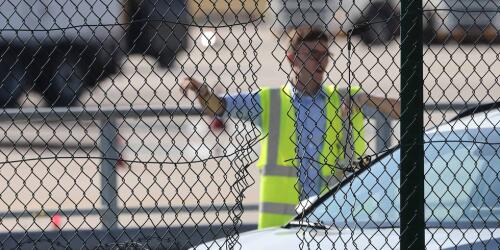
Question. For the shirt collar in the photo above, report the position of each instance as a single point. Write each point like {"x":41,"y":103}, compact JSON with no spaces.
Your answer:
{"x":296,"y":95}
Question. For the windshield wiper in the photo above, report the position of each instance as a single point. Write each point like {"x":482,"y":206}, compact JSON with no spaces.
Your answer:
{"x":301,"y":223}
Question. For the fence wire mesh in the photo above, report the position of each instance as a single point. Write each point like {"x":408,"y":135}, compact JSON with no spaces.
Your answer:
{"x":100,"y":148}
{"x":137,"y":124}
{"x":439,"y":198}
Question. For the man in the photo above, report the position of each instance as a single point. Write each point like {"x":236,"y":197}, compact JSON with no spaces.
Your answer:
{"x":303,"y":122}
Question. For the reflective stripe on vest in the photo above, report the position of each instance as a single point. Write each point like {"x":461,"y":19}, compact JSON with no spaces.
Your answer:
{"x":279,"y":185}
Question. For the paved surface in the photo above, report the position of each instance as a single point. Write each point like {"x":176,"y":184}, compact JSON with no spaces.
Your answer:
{"x":244,"y":59}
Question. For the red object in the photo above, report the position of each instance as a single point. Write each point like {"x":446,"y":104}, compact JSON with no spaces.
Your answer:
{"x":56,"y":221}
{"x":217,"y":124}
{"x":120,"y":163}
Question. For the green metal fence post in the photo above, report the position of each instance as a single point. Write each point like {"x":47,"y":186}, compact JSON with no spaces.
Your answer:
{"x":412,"y":129}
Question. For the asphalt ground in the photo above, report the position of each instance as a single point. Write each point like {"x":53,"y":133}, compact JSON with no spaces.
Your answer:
{"x":153,"y":174}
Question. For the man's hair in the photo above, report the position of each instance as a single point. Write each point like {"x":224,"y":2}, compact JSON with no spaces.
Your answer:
{"x":306,"y":34}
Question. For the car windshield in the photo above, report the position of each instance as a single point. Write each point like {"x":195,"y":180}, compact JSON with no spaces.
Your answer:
{"x":462,"y":186}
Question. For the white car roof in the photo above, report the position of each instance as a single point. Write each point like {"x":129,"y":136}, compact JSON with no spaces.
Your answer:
{"x":484,"y":120}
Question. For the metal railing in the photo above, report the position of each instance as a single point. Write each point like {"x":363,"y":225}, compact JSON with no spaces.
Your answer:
{"x":109,"y":147}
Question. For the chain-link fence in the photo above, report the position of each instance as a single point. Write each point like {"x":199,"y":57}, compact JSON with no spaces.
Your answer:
{"x":141,"y":124}
{"x":437,"y":188}
{"x":100,"y":149}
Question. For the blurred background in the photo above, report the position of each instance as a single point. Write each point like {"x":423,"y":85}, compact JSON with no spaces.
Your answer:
{"x":233,"y":46}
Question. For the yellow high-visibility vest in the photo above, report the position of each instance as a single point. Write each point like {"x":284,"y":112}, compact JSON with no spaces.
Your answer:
{"x":279,"y":183}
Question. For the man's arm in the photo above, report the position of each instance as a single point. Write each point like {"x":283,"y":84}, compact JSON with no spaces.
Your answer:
{"x":388,"y":106}
{"x":211,"y":103}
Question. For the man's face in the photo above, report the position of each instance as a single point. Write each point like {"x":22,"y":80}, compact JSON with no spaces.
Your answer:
{"x":309,"y":64}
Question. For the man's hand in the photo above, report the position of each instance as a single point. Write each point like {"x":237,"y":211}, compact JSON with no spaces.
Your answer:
{"x":212,"y":104}
{"x":190,"y":84}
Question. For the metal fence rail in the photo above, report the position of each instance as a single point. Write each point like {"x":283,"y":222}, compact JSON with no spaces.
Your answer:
{"x":111,"y":116}
{"x":110,"y":211}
